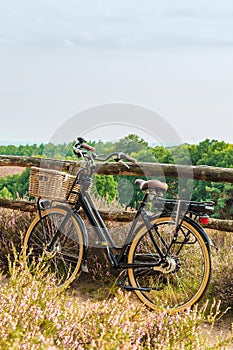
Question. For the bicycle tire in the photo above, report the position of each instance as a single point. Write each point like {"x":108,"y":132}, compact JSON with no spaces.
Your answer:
{"x":190,"y":268}
{"x":65,"y":259}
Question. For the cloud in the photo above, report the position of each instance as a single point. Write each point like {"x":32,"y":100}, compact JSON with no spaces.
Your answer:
{"x":69,"y":43}
{"x":116,"y":25}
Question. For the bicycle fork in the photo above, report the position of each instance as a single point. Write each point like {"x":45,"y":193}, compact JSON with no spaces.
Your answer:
{"x":53,"y":241}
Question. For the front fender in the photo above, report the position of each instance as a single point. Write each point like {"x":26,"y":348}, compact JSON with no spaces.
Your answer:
{"x":82,"y":227}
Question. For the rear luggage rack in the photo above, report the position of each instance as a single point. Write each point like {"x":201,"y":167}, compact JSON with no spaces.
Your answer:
{"x":197,"y":208}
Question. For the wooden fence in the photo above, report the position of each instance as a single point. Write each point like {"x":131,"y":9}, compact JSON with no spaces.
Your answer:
{"x":202,"y":172}
{"x":205,"y":173}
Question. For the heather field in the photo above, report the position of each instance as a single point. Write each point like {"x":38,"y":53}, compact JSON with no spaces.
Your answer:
{"x":10,"y":170}
{"x":95,"y":314}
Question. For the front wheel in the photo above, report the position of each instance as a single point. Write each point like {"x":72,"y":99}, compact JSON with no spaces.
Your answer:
{"x":64,"y":258}
{"x":178,"y":281}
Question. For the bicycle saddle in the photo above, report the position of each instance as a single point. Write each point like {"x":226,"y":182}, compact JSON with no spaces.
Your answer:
{"x":151,"y":184}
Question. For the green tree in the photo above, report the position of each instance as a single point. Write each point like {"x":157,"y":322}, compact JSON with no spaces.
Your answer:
{"x":219,"y":154}
{"x":130,"y":195}
{"x":106,"y":187}
{"x":5,"y":193}
{"x":17,"y":185}
{"x":131,"y":144}
{"x":162,"y":155}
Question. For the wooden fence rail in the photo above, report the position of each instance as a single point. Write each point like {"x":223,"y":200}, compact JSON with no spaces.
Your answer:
{"x":202,"y":172}
{"x":111,"y":215}
{"x":29,"y":206}
{"x":205,"y":173}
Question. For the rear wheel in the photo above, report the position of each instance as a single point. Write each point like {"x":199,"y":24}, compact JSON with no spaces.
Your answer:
{"x":64,"y":259}
{"x":180,"y":280}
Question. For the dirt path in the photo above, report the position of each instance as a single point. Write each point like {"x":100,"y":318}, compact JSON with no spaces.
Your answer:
{"x":220,"y":332}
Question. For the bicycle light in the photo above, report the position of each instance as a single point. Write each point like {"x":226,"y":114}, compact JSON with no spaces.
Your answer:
{"x":204,"y":220}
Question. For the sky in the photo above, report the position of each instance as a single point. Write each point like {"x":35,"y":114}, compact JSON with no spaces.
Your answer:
{"x":60,"y":58}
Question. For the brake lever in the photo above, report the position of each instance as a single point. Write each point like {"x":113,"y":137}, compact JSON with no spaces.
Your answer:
{"x":121,"y":161}
{"x":79,"y":153}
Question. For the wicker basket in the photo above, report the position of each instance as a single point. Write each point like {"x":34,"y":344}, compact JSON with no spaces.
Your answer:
{"x":52,"y":184}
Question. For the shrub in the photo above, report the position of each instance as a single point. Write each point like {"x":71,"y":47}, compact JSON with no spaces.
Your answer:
{"x":33,"y":315}
{"x":222,"y":261}
{"x":13,"y":226}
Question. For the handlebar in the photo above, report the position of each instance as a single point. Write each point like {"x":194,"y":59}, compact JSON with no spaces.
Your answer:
{"x":81,"y":144}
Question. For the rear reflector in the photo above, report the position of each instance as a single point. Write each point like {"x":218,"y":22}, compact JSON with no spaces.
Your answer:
{"x":204,"y":220}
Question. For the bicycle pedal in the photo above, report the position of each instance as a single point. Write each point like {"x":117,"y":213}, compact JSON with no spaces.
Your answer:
{"x":122,"y":280}
{"x":142,"y":289}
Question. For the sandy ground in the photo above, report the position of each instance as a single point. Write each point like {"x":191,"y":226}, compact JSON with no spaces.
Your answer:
{"x":220,"y":331}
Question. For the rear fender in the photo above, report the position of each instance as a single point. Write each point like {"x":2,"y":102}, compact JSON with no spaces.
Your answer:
{"x":198,"y":227}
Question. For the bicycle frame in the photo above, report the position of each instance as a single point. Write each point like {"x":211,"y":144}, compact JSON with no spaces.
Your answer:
{"x":105,"y":239}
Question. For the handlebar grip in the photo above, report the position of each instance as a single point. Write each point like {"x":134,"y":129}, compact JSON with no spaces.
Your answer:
{"x":88,"y":147}
{"x":131,"y":159}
